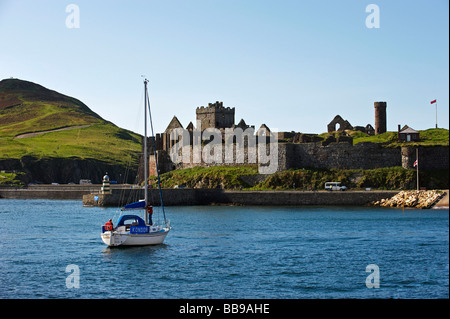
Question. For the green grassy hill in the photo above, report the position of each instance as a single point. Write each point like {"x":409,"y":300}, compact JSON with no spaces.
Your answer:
{"x":26,"y":107}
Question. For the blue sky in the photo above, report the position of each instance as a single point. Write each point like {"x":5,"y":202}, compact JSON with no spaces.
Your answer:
{"x":292,"y":65}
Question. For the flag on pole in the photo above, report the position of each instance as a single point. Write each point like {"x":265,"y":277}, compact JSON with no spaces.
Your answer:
{"x":416,"y":163}
{"x":434,"y":101}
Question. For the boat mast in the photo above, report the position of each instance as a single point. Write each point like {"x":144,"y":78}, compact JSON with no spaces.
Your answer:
{"x":154,"y":151}
{"x":145,"y":154}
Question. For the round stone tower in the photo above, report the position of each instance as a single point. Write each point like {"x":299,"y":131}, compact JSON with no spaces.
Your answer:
{"x":380,"y":117}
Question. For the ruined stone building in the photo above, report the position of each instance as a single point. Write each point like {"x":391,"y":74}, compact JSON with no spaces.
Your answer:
{"x":338,"y":124}
{"x":215,"y":116}
{"x":294,"y":149}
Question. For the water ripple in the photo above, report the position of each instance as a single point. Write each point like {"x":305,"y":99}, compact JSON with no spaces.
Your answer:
{"x":226,"y":252}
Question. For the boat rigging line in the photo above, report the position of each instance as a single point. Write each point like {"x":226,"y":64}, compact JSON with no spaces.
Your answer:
{"x":147,"y":99}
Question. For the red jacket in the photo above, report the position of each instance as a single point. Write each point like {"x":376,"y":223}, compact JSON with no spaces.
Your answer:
{"x":109,"y":226}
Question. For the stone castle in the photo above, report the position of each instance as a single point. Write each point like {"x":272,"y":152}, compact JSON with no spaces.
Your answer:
{"x":295,"y":149}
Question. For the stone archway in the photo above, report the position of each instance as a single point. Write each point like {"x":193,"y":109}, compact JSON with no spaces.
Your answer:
{"x":339,"y":124}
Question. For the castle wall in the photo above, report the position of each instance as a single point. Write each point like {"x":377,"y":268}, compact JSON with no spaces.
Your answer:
{"x":431,"y":157}
{"x":360,"y":156}
{"x":341,"y":156}
{"x":164,"y":163}
{"x":313,"y":155}
{"x":217,"y":156}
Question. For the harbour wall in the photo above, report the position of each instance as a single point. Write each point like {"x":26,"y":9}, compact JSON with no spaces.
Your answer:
{"x":69,"y":192}
{"x":190,"y":197}
{"x":182,"y":197}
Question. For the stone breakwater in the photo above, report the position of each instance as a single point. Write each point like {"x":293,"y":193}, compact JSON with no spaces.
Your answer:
{"x":190,"y":196}
{"x":416,"y":199}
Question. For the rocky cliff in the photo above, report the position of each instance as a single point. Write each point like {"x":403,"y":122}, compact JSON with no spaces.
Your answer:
{"x":67,"y":170}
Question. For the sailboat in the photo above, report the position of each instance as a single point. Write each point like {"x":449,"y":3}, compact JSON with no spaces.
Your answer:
{"x":133,"y":230}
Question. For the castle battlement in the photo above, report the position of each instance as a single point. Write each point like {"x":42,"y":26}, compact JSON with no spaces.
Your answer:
{"x":214,"y":107}
{"x":215,"y":116}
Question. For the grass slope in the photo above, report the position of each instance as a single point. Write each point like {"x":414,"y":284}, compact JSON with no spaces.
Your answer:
{"x":378,"y":178}
{"x":229,"y":177}
{"x":430,"y":137}
{"x":26,"y":107}
{"x":226,"y":177}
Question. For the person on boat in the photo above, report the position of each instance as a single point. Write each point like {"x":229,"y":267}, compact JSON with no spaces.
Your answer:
{"x":150,"y":213}
{"x":109,"y":225}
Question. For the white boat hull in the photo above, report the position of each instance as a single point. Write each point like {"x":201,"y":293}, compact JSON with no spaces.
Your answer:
{"x":117,"y":238}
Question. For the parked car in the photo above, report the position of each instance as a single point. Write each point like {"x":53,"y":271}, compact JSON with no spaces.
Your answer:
{"x":335,"y":186}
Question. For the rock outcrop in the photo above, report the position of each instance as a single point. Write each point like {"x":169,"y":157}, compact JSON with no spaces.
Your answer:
{"x":416,"y":199}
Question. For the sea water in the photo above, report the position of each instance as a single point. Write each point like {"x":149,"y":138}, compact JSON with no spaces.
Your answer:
{"x":53,"y":249}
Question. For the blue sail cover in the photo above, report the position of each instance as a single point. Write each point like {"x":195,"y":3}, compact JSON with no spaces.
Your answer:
{"x":136,"y":205}
{"x":135,"y":220}
{"x":137,"y":224}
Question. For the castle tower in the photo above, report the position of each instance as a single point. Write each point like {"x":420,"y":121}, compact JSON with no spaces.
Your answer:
{"x":380,"y":117}
{"x":215,"y":116}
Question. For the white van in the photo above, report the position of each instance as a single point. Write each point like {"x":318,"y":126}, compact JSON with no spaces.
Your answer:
{"x":335,"y":186}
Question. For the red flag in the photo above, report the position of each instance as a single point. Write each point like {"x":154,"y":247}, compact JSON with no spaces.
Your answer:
{"x":434,"y":101}
{"x":416,"y":163}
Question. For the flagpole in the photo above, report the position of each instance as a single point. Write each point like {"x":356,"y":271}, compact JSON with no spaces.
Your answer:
{"x":435,"y":102}
{"x":436,"y":114}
